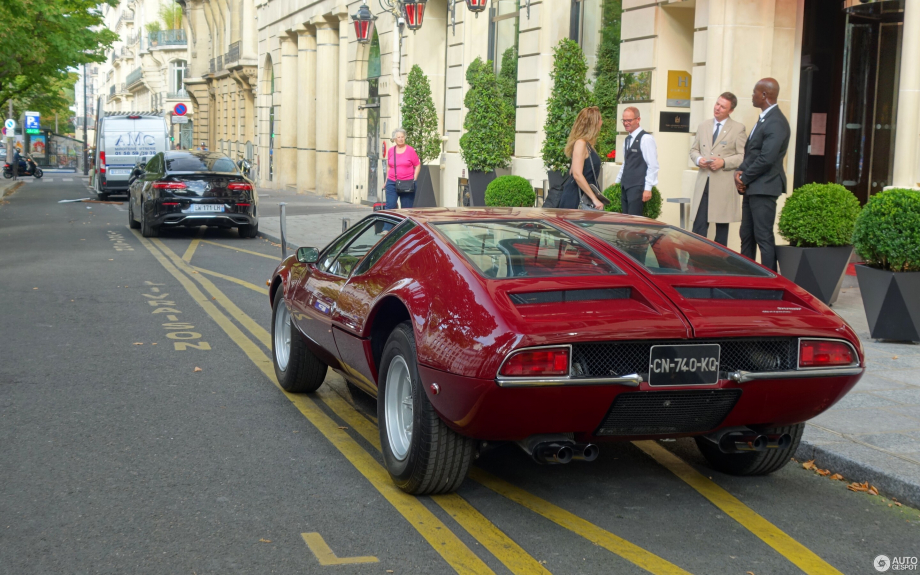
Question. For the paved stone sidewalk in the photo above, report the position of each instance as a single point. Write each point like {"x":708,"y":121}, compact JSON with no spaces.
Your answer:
{"x":872,"y":435}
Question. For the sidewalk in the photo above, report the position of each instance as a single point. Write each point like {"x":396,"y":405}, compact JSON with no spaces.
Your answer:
{"x":872,"y":435}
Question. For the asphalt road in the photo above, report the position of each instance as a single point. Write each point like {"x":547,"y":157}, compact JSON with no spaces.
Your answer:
{"x":141,"y":431}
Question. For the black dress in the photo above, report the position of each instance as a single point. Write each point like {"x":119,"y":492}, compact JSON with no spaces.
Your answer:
{"x":571,"y":193}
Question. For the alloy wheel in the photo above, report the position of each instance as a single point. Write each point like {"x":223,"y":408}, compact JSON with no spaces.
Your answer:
{"x":399,"y":407}
{"x":282,"y":336}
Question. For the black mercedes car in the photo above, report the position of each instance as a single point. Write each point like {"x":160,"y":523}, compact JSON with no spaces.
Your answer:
{"x":186,"y":188}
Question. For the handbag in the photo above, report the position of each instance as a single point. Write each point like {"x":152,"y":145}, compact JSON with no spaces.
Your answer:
{"x":585,"y":202}
{"x":401,"y":185}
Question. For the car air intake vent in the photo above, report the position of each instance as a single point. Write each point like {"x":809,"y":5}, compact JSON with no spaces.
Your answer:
{"x":668,"y":412}
{"x":729,"y":293}
{"x":571,"y":295}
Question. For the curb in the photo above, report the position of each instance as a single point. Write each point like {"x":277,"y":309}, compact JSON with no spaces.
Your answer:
{"x":272,"y":238}
{"x":904,"y":490}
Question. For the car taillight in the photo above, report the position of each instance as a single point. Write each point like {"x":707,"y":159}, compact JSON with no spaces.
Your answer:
{"x":101,"y":162}
{"x":239,"y":187}
{"x":242,"y":205}
{"x":168,"y":186}
{"x":170,"y":203}
{"x":821,"y":353}
{"x":553,"y":361}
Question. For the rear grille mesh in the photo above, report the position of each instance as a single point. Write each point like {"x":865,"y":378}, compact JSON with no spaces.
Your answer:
{"x":608,"y":359}
{"x":668,"y":412}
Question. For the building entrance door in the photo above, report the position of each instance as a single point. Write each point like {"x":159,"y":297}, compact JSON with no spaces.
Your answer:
{"x":373,"y":139}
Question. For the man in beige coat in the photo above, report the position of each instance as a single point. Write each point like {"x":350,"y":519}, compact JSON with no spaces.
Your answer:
{"x":718,"y":150}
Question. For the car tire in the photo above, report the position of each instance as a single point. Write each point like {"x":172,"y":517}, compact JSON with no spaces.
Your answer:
{"x":297,"y":368}
{"x":147,"y":230}
{"x":132,"y":223}
{"x":753,"y":462}
{"x":248,"y":232}
{"x":432,"y":458}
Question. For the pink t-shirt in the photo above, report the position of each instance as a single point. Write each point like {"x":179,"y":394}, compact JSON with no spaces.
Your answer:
{"x":405,"y":164}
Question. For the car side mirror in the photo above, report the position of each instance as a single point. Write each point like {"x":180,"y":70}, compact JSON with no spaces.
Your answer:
{"x":307,"y":255}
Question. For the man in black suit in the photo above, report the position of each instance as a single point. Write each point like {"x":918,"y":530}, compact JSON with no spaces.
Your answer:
{"x":761,"y":178}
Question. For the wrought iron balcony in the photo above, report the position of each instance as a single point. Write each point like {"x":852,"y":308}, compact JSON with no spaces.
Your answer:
{"x":167,"y":38}
{"x":125,"y":16}
{"x":220,"y":62}
{"x":112,"y":90}
{"x":234,"y":54}
{"x":180,"y":95}
{"x":134,"y":77}
{"x":211,"y":65}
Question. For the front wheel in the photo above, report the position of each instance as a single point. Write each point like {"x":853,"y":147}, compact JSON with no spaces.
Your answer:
{"x":422,"y":454}
{"x":753,"y":462}
{"x":297,"y":368}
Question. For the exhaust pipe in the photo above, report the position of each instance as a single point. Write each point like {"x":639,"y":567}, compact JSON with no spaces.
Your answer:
{"x":778,"y":441}
{"x":742,"y":442}
{"x":585,"y":452}
{"x":552,"y":453}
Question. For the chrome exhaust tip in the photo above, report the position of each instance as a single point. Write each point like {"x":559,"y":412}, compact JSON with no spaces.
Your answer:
{"x":778,"y":441}
{"x":742,"y":442}
{"x":586,"y":452}
{"x":553,"y":453}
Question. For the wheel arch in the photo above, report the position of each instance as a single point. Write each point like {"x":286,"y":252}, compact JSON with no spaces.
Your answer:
{"x":388,"y":313}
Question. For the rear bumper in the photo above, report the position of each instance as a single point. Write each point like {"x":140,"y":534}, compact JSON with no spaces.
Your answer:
{"x":224,"y":219}
{"x":484,"y":410}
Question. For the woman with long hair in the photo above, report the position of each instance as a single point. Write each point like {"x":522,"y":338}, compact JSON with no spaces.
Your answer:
{"x":586,"y":163}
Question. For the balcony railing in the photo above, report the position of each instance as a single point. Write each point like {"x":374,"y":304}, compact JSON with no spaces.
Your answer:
{"x":167,"y":38}
{"x":134,"y":77}
{"x":125,"y":16}
{"x":124,"y":87}
{"x":211,"y":65}
{"x":220,"y":62}
{"x":180,"y":95}
{"x":234,"y":54}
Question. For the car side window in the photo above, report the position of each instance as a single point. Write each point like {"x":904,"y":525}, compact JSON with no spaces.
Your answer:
{"x":359,"y":247}
{"x":327,"y":258}
{"x":390,"y":238}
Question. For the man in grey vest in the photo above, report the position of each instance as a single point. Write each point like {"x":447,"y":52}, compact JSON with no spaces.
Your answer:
{"x":639,"y":172}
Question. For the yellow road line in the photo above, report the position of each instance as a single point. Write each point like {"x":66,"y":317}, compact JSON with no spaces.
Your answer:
{"x":785,"y":545}
{"x":241,"y":250}
{"x":235,"y":312}
{"x":442,"y":539}
{"x":617,"y":545}
{"x":326,"y":556}
{"x":237,"y":281}
{"x":194,"y":245}
{"x":484,"y":531}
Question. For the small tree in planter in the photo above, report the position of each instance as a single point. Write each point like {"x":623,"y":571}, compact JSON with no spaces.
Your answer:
{"x":607,"y":88}
{"x":510,"y":191}
{"x":420,"y":120}
{"x":650,"y":209}
{"x":570,"y":94}
{"x":817,"y":221}
{"x":488,"y":139}
{"x":507,"y":76}
{"x":887,"y":237}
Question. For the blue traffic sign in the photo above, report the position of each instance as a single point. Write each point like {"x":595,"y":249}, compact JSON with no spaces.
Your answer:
{"x":180,"y":109}
{"x":33,"y":121}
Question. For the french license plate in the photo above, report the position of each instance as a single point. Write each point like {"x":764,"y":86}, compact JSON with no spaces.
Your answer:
{"x":119,"y":172}
{"x":207,"y":208}
{"x":684,"y":364}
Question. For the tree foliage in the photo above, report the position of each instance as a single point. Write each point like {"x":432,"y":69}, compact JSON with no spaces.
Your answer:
{"x":419,"y":116}
{"x":570,"y":94}
{"x":818,"y":215}
{"x":488,"y":141}
{"x":171,"y":14}
{"x":507,"y":75}
{"x":607,"y":86}
{"x":41,"y":39}
{"x":650,"y":209}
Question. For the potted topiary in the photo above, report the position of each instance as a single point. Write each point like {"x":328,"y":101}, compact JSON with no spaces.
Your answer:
{"x":488,"y":139}
{"x":651,"y":209}
{"x":887,"y":238}
{"x":420,"y":120}
{"x":817,"y":221}
{"x":510,"y":191}
{"x":569,"y":95}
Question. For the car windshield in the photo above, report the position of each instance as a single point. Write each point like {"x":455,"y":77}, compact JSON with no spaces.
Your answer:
{"x":665,"y":249}
{"x":200,"y":163}
{"x":500,"y":249}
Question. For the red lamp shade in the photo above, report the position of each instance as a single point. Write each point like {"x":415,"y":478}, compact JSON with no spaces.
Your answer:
{"x":476,"y":6}
{"x":364,"y":24}
{"x":414,"y":13}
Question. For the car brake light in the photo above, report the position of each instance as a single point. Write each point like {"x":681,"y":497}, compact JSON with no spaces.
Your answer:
{"x":240,"y":204}
{"x":531,"y":362}
{"x":168,"y":186}
{"x":134,"y":117}
{"x":170,"y":203}
{"x":239,"y":187}
{"x":821,"y":353}
{"x":102,"y":162}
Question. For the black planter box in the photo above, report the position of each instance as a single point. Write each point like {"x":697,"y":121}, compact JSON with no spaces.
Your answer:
{"x":479,"y":181}
{"x":427,"y":187}
{"x":819,"y":271}
{"x":892,"y":303}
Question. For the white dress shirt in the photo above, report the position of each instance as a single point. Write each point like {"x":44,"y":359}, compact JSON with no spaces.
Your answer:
{"x":649,"y":153}
{"x":762,"y":114}
{"x":717,"y":125}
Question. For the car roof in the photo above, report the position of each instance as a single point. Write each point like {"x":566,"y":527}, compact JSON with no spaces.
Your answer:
{"x":201,"y":155}
{"x":441,"y":215}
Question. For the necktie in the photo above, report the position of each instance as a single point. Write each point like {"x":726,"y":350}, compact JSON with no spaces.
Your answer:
{"x":628,"y":142}
{"x":716,"y":133}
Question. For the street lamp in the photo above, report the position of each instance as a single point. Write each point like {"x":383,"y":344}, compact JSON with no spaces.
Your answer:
{"x":364,"y":24}
{"x":414,"y":13}
{"x":476,"y":6}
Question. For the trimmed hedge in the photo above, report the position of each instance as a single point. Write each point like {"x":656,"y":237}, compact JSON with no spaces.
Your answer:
{"x":819,"y":215}
{"x":651,"y":209}
{"x":569,"y":95}
{"x":488,"y":139}
{"x":887,"y":234}
{"x":420,"y":118}
{"x":510,"y":191}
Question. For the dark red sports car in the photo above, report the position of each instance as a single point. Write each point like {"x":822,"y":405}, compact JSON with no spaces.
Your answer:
{"x":557,"y":329}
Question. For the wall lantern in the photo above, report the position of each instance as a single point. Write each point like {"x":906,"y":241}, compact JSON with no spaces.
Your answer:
{"x":364,"y":24}
{"x":414,"y":13}
{"x":476,"y":6}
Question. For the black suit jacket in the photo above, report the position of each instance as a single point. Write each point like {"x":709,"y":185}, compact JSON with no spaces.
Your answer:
{"x":762,"y":169}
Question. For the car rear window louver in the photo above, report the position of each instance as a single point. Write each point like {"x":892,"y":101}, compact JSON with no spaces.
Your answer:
{"x":730,"y":293}
{"x":564,"y":296}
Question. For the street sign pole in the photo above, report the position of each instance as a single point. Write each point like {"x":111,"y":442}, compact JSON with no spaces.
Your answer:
{"x":85,"y":143}
{"x":9,"y":144}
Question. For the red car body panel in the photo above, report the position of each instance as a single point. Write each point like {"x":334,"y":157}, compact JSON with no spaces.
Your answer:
{"x":465,"y":326}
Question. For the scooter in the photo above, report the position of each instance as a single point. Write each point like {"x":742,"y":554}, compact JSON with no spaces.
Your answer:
{"x":245,"y":166}
{"x":27,"y":167}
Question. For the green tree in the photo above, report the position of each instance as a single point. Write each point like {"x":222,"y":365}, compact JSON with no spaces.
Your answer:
{"x":171,"y":15}
{"x":570,"y":94}
{"x":607,"y":87}
{"x":488,"y":139}
{"x":41,"y":39}
{"x":507,"y":75}
{"x":419,"y":116}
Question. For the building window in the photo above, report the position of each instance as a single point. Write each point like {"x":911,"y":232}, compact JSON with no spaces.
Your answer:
{"x":503,"y":29}
{"x":585,"y":28}
{"x":178,"y":76}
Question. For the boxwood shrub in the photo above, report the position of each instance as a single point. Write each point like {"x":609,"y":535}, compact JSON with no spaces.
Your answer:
{"x":651,"y":209}
{"x":819,"y":215}
{"x":510,"y":191}
{"x":887,"y":234}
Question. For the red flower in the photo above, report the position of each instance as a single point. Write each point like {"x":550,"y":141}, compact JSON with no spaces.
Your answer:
{"x":612,"y":155}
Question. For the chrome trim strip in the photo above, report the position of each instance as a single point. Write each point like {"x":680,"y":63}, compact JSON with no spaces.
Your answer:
{"x":631,"y":380}
{"x":746,"y":376}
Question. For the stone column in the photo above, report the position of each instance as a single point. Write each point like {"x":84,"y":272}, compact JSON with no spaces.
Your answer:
{"x":907,"y":137}
{"x":306,"y":117}
{"x":343,"y":194}
{"x":327,"y":95}
{"x":287,"y":154}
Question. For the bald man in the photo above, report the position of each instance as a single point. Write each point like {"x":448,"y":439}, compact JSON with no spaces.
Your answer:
{"x":761,"y":178}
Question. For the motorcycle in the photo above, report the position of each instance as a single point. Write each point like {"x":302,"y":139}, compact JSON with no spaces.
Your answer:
{"x":245,"y":166}
{"x":27,"y":167}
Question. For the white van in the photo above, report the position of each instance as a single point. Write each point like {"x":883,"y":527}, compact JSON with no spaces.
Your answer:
{"x":122,"y":138}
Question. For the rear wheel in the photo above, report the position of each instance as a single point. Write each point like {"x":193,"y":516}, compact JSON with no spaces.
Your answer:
{"x":753,"y":462}
{"x":7,"y":174}
{"x":248,"y":231}
{"x":147,"y":230}
{"x":422,"y":454}
{"x":132,"y":223}
{"x":38,"y":173}
{"x":298,"y":370}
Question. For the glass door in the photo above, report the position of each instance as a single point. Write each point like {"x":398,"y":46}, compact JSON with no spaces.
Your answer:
{"x":373,"y":139}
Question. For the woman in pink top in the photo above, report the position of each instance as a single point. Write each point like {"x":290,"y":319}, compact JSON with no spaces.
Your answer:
{"x":402,"y":165}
